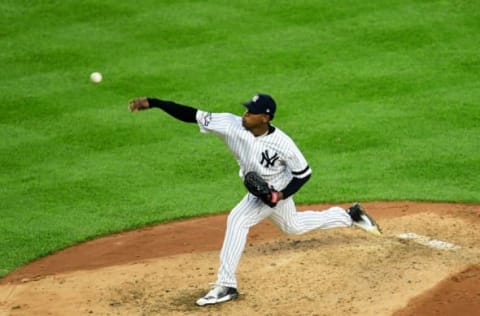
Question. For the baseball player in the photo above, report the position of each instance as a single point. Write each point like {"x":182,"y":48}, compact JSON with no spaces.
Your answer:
{"x":273,"y":170}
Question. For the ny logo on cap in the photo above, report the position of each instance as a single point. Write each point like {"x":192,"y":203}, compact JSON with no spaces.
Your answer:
{"x":256,"y":98}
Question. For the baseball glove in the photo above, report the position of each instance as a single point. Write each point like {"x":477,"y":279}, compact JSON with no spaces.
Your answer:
{"x":138,"y":104}
{"x":260,"y":188}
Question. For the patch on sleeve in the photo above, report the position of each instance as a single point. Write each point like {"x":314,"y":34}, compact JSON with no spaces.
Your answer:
{"x":206,"y":118}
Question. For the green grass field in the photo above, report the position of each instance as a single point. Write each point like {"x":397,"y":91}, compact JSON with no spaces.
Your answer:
{"x":382,"y":97}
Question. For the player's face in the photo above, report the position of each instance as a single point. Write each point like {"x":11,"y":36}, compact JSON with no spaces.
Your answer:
{"x":251,"y":120}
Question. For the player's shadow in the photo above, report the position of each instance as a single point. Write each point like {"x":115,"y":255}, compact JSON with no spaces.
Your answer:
{"x":293,"y":243}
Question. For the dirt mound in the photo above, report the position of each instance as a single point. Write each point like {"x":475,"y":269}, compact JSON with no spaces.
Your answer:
{"x":426,"y":263}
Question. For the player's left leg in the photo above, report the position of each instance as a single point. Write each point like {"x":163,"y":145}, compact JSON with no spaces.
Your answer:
{"x":246,"y":214}
{"x":290,"y":221}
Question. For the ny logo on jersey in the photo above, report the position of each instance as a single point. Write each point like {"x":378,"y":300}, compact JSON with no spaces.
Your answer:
{"x":269,"y":161}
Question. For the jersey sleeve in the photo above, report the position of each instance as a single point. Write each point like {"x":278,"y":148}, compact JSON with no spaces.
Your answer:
{"x":297,"y":163}
{"x":219,"y":123}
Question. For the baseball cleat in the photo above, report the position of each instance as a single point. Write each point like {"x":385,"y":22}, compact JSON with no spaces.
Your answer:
{"x":218,"y":294}
{"x":362,"y":220}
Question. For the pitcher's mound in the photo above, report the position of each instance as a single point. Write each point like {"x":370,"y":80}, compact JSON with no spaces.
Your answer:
{"x":426,"y":263}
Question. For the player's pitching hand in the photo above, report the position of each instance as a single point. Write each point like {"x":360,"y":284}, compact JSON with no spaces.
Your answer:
{"x":138,"y":104}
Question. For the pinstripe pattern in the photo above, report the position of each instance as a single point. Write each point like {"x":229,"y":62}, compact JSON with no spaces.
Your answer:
{"x":276,"y":158}
{"x":250,"y":211}
{"x":248,"y":150}
{"x":246,"y":214}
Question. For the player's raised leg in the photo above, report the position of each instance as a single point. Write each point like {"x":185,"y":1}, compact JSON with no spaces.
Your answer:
{"x":290,"y":221}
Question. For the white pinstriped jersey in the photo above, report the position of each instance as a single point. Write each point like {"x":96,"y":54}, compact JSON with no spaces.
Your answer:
{"x":274,"y":156}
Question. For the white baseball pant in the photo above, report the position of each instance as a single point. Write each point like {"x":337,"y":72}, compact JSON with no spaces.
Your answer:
{"x":251,"y":210}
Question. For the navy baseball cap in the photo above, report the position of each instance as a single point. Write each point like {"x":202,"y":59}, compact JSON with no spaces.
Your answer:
{"x":261,"y":104}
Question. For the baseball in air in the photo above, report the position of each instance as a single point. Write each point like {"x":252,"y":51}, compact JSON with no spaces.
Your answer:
{"x":96,"y":77}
